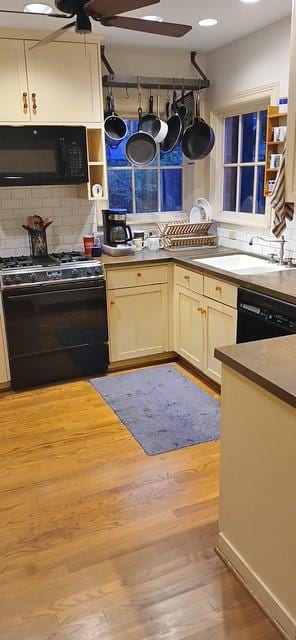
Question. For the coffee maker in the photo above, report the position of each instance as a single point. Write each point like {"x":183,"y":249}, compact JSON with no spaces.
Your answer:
{"x":117,"y":233}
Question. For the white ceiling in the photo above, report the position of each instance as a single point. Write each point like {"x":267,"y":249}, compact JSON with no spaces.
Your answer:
{"x":236,"y":19}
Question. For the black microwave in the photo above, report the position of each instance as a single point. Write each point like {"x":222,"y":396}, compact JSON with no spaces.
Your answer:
{"x":33,"y":155}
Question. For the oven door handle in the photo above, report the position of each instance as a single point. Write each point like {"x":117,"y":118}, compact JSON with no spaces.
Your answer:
{"x":49,"y":293}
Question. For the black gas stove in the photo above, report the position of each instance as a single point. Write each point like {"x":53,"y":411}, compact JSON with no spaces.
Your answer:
{"x":55,"y":317}
{"x":26,"y":271}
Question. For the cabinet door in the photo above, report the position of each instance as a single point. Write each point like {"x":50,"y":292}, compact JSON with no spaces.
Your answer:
{"x":13,"y":82}
{"x":189,"y":326}
{"x":220,"y":331}
{"x":66,"y":82}
{"x":138,"y":321}
{"x":4,"y":376}
{"x":291,"y":134}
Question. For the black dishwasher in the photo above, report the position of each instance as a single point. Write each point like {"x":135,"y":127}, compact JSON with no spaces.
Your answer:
{"x":260,"y":317}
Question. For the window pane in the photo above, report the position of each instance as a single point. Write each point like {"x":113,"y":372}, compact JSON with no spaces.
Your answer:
{"x":171,"y":190}
{"x":231,"y":140}
{"x":247,"y":189}
{"x":117,"y":157}
{"x":120,"y":190}
{"x":174,"y":158}
{"x":260,"y":198}
{"x":262,"y":136}
{"x":229,"y":193}
{"x":249,"y":124}
{"x":146,"y":190}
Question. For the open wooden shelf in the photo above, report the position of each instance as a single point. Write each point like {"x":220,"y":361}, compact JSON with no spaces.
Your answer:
{"x":274,"y":119}
{"x":96,"y":165}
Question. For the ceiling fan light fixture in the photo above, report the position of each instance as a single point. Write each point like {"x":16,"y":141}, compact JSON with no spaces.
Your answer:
{"x":38,"y":7}
{"x":83,"y":23}
{"x":153,"y":18}
{"x":208,"y":22}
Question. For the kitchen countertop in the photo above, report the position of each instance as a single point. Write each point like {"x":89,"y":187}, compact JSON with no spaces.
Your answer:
{"x":271,"y":364}
{"x":281,"y":284}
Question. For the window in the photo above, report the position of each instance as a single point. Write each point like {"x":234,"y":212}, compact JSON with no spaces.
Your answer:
{"x":244,"y":163}
{"x":156,"y":188}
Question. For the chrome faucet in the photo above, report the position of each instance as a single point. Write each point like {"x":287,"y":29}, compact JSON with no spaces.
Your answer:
{"x":282,"y":242}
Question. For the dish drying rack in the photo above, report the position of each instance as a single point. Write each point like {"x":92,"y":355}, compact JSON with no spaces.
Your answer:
{"x":185,"y":235}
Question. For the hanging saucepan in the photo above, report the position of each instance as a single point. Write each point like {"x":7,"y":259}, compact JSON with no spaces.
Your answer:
{"x":175,"y":128}
{"x":199,"y":138}
{"x":141,"y":147}
{"x":149,"y":117}
{"x":157,"y":128}
{"x":115,"y":127}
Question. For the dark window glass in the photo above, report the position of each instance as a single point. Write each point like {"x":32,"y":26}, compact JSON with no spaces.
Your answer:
{"x":262,"y":136}
{"x":174,"y":158}
{"x":260,"y":198}
{"x":120,"y":190}
{"x":247,"y":189}
{"x":249,"y":125}
{"x":146,"y":190}
{"x":230,"y":182}
{"x":171,"y":190}
{"x":231,"y":140}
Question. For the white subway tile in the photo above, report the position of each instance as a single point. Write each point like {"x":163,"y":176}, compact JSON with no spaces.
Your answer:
{"x":33,"y":203}
{"x":51,"y":202}
{"x":41,"y":192}
{"x":21,"y":192}
{"x":11,"y":204}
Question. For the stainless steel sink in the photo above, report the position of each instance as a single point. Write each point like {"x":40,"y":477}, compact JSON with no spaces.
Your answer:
{"x":242,"y":264}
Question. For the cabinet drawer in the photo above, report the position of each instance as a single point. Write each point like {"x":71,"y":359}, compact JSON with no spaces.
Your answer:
{"x":137,"y":277}
{"x":220,"y":291}
{"x":189,"y":279}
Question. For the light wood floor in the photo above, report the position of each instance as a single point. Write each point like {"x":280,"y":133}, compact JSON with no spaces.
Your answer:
{"x":98,"y":541}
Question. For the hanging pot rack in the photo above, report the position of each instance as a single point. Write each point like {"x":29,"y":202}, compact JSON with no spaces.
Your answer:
{"x":112,"y":80}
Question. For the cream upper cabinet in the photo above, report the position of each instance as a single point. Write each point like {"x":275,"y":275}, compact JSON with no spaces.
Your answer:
{"x":138,"y":321}
{"x":188,"y":326}
{"x":291,"y":134}
{"x":64,"y":82}
{"x":220,"y":330}
{"x":14,"y":103}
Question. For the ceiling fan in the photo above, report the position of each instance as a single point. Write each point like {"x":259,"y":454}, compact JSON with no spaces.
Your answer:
{"x":106,"y":12}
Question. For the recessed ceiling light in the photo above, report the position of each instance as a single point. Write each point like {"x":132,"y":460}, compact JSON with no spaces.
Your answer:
{"x":153,"y":18}
{"x":249,"y":1}
{"x":208,"y":22}
{"x":38,"y":8}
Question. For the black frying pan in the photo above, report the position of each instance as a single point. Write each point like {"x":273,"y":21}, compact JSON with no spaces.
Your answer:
{"x":149,"y":118}
{"x":115,"y":127}
{"x":175,"y":128}
{"x":141,"y":147}
{"x":199,"y":138}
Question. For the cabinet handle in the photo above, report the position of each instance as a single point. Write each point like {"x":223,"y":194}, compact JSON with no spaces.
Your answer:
{"x":199,"y":310}
{"x":139,"y":275}
{"x":112,"y":303}
{"x":186,"y":278}
{"x":203,"y":312}
{"x":25,"y":102}
{"x":34,"y":103}
{"x":219,"y":289}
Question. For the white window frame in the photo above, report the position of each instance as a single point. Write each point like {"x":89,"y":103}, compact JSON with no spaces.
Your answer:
{"x":253,"y":100}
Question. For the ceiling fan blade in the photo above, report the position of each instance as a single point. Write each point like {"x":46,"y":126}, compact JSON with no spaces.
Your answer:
{"x":104,"y":8}
{"x":44,"y":15}
{"x":148,"y":26}
{"x":53,"y":36}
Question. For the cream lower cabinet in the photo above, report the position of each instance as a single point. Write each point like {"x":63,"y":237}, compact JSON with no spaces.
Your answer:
{"x":188,"y":328}
{"x":138,"y":321}
{"x":220,"y":327}
{"x":4,"y":366}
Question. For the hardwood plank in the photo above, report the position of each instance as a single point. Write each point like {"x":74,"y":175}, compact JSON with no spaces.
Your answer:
{"x":99,"y":540}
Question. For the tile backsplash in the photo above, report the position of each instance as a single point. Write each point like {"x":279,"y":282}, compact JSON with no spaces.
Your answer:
{"x":236,"y":237}
{"x":72,"y":218}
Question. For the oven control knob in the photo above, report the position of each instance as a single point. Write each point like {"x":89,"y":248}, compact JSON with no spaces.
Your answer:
{"x":75,"y":273}
{"x":33,"y":277}
{"x":8,"y":280}
{"x":18,"y":280}
{"x":98,"y":271}
{"x":89,"y":272}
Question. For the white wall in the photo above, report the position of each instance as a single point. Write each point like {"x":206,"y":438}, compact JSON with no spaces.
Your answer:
{"x":256,"y":60}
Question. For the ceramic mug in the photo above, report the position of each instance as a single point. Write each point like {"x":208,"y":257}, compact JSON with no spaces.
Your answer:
{"x":279,"y":134}
{"x":155,"y":243}
{"x":275,"y":160}
{"x":138,"y":243}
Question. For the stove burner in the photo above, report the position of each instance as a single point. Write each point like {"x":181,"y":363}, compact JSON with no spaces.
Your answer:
{"x":63,"y":257}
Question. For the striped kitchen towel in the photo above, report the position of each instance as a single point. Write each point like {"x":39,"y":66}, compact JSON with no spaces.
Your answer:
{"x":283,"y":210}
